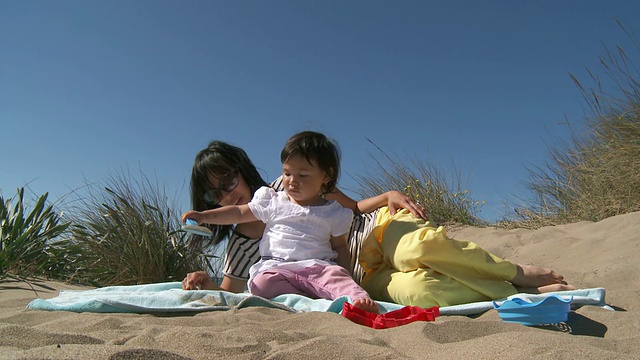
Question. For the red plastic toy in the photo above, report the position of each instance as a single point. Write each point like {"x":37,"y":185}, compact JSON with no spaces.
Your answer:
{"x":403,"y":316}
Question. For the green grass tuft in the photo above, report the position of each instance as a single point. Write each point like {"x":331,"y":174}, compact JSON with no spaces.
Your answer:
{"x":443,"y":194}
{"x":27,"y":246}
{"x":596,"y":174}
{"x":129,"y":233}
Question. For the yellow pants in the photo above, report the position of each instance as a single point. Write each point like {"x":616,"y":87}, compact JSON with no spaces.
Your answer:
{"x":410,"y":262}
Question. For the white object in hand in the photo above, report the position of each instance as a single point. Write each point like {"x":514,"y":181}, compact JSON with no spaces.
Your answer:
{"x":192,"y":226}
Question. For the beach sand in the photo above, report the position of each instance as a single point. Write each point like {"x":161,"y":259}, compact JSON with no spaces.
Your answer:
{"x":604,"y":254}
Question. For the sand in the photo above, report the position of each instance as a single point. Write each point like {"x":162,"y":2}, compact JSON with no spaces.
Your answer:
{"x":604,"y":254}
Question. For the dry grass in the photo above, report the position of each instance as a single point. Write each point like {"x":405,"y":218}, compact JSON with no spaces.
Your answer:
{"x":596,"y":174}
{"x":441,"y":192}
{"x":129,"y":233}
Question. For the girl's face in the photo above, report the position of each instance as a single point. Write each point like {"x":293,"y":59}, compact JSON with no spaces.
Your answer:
{"x":229,"y":189}
{"x":303,"y":181}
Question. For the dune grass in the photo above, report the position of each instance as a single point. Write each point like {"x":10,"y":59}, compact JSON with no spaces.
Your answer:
{"x":122,"y":231}
{"x":591,"y":176}
{"x":596,"y":173}
{"x":27,"y":246}
{"x":129,"y":233}
{"x":442,"y":193}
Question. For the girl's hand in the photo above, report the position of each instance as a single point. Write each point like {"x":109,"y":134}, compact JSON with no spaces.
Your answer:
{"x":199,"y":280}
{"x":192,"y":214}
{"x":397,"y":200}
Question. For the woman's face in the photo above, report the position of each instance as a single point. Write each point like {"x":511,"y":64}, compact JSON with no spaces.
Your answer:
{"x":230,"y":189}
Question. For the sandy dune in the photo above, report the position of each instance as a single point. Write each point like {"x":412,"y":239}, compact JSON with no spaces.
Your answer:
{"x":604,"y":254}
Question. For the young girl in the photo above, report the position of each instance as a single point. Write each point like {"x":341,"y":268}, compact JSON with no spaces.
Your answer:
{"x":223,"y":175}
{"x":304,"y":245}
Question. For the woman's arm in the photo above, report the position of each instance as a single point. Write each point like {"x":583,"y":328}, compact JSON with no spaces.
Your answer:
{"x":200,"y":280}
{"x":235,"y":260}
{"x":340,"y":246}
{"x":233,"y":285}
{"x":394,"y":199}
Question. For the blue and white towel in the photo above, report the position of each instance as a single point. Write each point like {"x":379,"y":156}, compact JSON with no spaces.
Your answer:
{"x":169,"y":297}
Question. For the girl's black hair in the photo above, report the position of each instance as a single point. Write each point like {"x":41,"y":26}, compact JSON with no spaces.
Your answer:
{"x":315,"y":146}
{"x":219,"y":159}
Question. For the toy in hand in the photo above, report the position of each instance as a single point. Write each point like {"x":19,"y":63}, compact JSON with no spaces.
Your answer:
{"x":192,"y":226}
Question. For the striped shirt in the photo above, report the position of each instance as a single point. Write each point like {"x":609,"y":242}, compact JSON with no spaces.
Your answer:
{"x":242,"y":252}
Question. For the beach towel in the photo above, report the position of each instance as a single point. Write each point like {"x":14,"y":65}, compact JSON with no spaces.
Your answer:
{"x":170,"y":298}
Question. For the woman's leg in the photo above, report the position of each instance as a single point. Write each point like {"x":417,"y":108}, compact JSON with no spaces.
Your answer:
{"x":427,"y":288}
{"x":536,"y":279}
{"x":413,"y":263}
{"x":409,"y":243}
{"x":406,"y":243}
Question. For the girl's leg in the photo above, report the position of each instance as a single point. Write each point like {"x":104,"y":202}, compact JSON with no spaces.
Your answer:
{"x":333,"y":281}
{"x":272,"y":283}
{"x":319,"y":281}
{"x":328,"y":282}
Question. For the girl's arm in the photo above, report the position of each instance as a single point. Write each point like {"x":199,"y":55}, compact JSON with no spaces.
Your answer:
{"x":340,"y":246}
{"x":226,"y":215}
{"x":394,"y":199}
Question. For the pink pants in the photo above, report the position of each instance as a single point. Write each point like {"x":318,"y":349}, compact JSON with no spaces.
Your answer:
{"x":318,"y":281}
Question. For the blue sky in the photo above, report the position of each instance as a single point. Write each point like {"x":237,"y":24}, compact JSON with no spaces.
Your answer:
{"x":88,"y":88}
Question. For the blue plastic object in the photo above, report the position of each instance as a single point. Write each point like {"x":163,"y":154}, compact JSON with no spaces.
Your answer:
{"x":551,"y":310}
{"x":191,"y":222}
{"x":192,"y":226}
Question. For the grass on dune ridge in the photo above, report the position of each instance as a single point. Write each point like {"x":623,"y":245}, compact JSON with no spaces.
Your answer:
{"x":26,"y":237}
{"x":441,"y":192}
{"x":596,"y":173}
{"x":127,"y":231}
{"x":593,"y":175}
{"x":121,"y":232}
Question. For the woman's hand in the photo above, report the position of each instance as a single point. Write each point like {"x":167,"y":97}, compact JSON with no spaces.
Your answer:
{"x":394,"y":200}
{"x":199,"y":280}
{"x":397,"y":200}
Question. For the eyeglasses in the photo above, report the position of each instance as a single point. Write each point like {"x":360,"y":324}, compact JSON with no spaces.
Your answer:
{"x":227,"y":183}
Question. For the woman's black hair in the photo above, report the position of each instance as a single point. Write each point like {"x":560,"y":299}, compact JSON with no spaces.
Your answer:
{"x":219,"y":159}
{"x":317,"y":147}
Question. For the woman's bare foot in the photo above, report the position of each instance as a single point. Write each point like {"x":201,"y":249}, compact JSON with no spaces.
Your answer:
{"x":367,"y":305}
{"x":532,"y":276}
{"x":545,"y":288}
{"x":556,"y":287}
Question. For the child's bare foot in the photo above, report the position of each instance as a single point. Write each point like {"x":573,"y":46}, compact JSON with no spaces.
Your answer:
{"x":532,"y":276}
{"x":367,"y":304}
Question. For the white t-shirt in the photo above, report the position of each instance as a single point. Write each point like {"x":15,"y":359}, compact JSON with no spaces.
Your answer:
{"x":296,"y":236}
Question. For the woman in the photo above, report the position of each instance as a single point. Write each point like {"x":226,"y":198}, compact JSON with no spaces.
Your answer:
{"x":397,"y":248}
